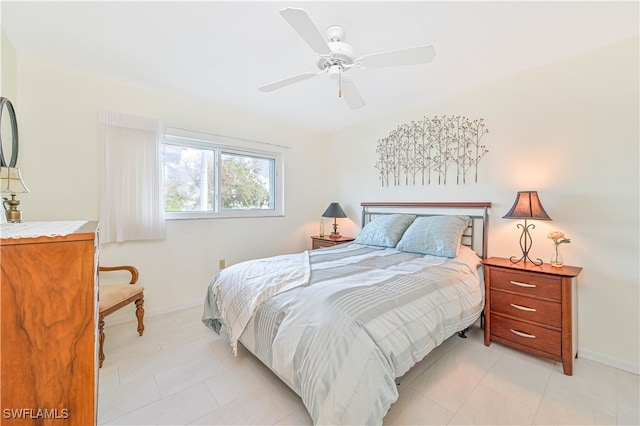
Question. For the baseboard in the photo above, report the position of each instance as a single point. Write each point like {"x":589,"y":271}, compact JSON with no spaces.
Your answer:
{"x":609,"y":361}
{"x":122,"y":317}
{"x":174,"y":308}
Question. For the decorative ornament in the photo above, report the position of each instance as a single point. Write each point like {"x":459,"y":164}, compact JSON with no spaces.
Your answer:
{"x":558,"y":238}
{"x":432,"y":148}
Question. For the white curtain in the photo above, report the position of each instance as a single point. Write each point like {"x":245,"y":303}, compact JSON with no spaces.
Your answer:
{"x":131,"y":200}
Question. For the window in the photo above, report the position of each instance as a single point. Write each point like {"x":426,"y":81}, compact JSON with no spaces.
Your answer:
{"x":204,"y":179}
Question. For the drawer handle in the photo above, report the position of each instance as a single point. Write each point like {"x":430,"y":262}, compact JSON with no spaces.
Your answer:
{"x":523,"y":308}
{"x":521,"y":334}
{"x":519,"y":284}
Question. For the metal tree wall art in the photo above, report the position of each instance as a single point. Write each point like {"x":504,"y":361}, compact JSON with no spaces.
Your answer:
{"x":430,"y":150}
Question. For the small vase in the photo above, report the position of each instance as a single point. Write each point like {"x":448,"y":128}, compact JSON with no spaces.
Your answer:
{"x":321,"y":228}
{"x":556,"y":258}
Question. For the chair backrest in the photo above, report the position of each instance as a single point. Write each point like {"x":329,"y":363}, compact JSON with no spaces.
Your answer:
{"x":132,"y":269}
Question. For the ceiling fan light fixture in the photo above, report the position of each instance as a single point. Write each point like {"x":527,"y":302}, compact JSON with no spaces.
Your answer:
{"x":335,"y":71}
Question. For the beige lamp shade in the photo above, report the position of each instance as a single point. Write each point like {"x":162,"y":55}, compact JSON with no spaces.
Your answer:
{"x":527,"y":206}
{"x":11,"y":181}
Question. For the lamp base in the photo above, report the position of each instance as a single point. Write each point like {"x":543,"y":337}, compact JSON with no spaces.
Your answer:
{"x":335,"y":234}
{"x":525,"y":245}
{"x":12,"y":213}
{"x":525,"y":257}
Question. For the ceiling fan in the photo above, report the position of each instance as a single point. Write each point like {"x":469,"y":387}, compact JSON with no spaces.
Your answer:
{"x":335,"y":56}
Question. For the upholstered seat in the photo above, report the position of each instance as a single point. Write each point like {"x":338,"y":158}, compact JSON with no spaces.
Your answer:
{"x":112,"y":297}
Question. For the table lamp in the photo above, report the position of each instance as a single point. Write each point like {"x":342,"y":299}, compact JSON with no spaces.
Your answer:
{"x":334,"y":210}
{"x":527,"y":206}
{"x":11,"y":183}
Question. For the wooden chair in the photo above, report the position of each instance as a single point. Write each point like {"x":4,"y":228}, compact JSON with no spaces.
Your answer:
{"x":115,"y":296}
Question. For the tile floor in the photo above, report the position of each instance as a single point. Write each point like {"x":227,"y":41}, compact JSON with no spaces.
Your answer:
{"x":182,"y":373}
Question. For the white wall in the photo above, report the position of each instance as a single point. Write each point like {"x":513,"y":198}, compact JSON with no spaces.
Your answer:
{"x":8,"y":89}
{"x":8,"y":72}
{"x":568,"y":130}
{"x":59,"y":158}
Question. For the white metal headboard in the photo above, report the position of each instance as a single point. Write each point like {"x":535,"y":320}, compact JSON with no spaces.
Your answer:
{"x":477,"y":211}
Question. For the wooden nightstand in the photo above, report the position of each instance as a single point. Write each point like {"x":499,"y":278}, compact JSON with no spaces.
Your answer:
{"x":532,"y":308}
{"x":319,"y":242}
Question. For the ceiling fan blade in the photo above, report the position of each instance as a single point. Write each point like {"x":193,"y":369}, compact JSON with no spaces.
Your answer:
{"x":303,"y":25}
{"x":351,"y":95}
{"x":411,"y":56}
{"x":287,"y":81}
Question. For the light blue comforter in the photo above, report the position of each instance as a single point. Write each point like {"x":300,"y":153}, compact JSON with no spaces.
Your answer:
{"x":365,"y":317}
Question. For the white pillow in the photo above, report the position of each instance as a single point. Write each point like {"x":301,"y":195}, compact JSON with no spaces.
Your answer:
{"x":434,"y":235}
{"x":385,"y":230}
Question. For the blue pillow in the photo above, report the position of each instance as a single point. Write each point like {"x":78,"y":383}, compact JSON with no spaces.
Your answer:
{"x":385,"y":230}
{"x":434,"y":235}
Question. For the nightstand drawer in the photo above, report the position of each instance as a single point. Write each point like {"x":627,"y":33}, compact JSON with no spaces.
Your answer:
{"x":527,"y":308}
{"x":320,"y":244}
{"x":532,"y":284}
{"x":525,"y":334}
{"x":326,"y":241}
{"x":532,"y":308}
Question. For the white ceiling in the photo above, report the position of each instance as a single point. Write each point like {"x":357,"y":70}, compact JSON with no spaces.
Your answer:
{"x":223,"y":51}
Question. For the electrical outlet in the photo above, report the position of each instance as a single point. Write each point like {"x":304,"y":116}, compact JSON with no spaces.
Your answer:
{"x":221,"y":264}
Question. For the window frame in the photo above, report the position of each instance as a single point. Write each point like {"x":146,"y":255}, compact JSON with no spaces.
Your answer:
{"x":219,"y":149}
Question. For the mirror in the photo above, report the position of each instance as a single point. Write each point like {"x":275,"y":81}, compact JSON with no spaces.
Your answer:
{"x":8,"y":134}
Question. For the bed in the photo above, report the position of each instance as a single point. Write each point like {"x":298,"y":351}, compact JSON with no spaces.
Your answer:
{"x":338,"y":325}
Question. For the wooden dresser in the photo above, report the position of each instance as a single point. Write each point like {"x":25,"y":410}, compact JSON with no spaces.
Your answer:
{"x":48,"y":368}
{"x":532,"y":308}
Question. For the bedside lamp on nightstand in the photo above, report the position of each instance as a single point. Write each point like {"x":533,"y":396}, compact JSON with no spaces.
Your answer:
{"x":335,"y":211}
{"x":526,"y":206}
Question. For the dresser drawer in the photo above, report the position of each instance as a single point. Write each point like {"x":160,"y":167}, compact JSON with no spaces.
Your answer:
{"x":524,"y":283}
{"x":527,"y":308}
{"x":525,"y":334}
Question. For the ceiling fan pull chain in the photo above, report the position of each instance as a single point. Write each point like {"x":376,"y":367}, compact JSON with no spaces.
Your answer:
{"x":340,"y":82}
